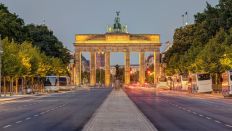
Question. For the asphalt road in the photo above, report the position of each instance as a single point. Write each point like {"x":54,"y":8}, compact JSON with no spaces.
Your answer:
{"x":170,"y":112}
{"x":56,"y":112}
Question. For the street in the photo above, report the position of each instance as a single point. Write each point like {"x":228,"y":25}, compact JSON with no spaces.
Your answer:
{"x":55,"y":112}
{"x":170,"y":112}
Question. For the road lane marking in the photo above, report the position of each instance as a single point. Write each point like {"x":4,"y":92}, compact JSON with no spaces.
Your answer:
{"x":200,"y":115}
{"x":228,"y":125}
{"x":217,"y":121}
{"x":28,"y":118}
{"x":36,"y":115}
{"x":42,"y":113}
{"x":7,"y":126}
{"x":18,"y":122}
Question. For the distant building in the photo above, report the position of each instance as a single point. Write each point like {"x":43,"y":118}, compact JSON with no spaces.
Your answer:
{"x":149,"y":61}
{"x":168,"y":46}
{"x":163,"y":65}
{"x":85,"y":64}
{"x":100,"y":60}
{"x":134,"y":68}
{"x":71,"y":66}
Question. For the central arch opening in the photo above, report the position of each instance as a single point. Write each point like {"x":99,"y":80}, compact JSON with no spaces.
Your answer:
{"x":117,"y":58}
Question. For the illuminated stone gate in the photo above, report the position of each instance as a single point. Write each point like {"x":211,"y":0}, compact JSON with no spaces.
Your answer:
{"x":117,"y":39}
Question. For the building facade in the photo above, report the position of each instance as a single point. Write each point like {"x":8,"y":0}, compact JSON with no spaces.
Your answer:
{"x":116,"y":39}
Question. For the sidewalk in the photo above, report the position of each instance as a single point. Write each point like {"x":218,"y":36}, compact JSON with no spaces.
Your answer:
{"x":118,"y":113}
{"x":205,"y":95}
{"x":14,"y":97}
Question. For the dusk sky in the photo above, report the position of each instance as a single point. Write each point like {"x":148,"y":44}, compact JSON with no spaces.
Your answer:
{"x":69,"y":17}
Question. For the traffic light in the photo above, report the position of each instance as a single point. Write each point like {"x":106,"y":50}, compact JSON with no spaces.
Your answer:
{"x":148,"y":72}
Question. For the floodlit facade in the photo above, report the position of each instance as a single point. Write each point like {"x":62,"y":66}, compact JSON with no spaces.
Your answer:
{"x":116,"y":39}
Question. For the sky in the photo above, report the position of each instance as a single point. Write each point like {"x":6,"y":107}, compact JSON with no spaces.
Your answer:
{"x":69,"y":17}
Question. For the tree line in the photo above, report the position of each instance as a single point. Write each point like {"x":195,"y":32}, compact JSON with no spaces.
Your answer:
{"x":204,"y":46}
{"x":29,"y":51}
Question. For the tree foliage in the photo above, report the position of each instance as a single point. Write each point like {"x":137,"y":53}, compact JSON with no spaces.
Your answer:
{"x":21,"y":60}
{"x":13,"y":27}
{"x":204,"y":46}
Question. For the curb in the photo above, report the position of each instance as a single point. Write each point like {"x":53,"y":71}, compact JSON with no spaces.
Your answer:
{"x":142,"y":115}
{"x":89,"y":123}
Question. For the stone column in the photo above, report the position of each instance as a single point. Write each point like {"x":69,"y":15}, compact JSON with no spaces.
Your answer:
{"x":77,"y":68}
{"x":156,"y":66}
{"x":74,"y":75}
{"x":141,"y":67}
{"x":92,"y":68}
{"x":127,"y":67}
{"x":107,"y":69}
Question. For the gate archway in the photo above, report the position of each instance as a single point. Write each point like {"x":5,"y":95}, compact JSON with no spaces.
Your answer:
{"x":116,"y":39}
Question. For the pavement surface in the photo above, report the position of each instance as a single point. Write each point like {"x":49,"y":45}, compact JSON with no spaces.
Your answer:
{"x":118,"y":113}
{"x":170,"y":111}
{"x":5,"y":99}
{"x":56,"y":112}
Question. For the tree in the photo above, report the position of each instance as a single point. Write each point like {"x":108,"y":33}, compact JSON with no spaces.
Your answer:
{"x":100,"y":75}
{"x":13,"y":27}
{"x":149,"y":74}
{"x":43,"y":38}
{"x":11,"y":63}
{"x":204,"y":46}
{"x":10,"y":25}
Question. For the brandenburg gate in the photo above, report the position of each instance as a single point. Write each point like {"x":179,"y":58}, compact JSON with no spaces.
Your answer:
{"x":116,"y":39}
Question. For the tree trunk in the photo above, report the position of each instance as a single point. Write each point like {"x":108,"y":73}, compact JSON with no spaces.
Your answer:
{"x":22,"y":85}
{"x":32,"y":84}
{"x":4,"y":85}
{"x":11,"y":86}
{"x":16,"y":85}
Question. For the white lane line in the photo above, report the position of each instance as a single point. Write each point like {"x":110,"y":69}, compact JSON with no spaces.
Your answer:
{"x":228,"y":125}
{"x":6,"y":126}
{"x":208,"y":118}
{"x":42,"y":113}
{"x":18,"y":122}
{"x":28,"y":118}
{"x":36,"y":115}
{"x":200,"y":115}
{"x":217,"y":121}
{"x":189,"y":110}
{"x":194,"y":113}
